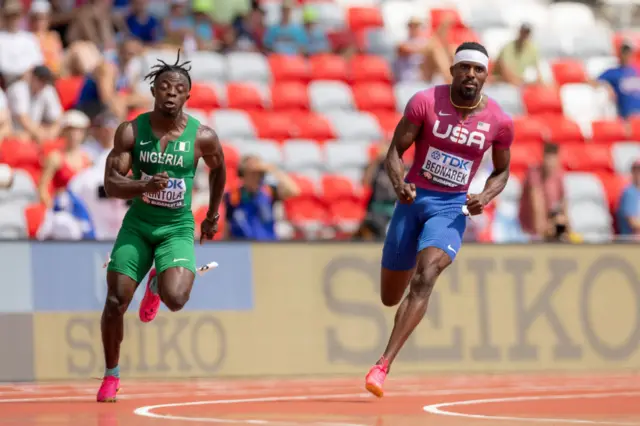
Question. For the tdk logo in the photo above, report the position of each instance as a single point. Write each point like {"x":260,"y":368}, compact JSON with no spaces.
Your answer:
{"x":459,"y":135}
{"x":176,"y":184}
{"x":450,"y":160}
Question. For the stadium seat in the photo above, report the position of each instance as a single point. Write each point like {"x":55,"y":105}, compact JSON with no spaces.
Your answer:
{"x":524,"y":155}
{"x":513,"y":191}
{"x":551,"y":43}
{"x":614,"y":185}
{"x":571,"y":16}
{"x":290,"y":96}
{"x":599,"y":64}
{"x":233,"y":124}
{"x":360,"y":18}
{"x":268,"y":151}
{"x":374,"y":97}
{"x":377,"y":41}
{"x":353,"y":126}
{"x":529,"y":129}
{"x":13,"y":222}
{"x":581,"y":186}
{"x":313,"y":126}
{"x":494,"y":39}
{"x":568,"y":71}
{"x":542,"y":100}
{"x":624,"y":154}
{"x":336,"y":187}
{"x":307,"y":214}
{"x":207,"y":67}
{"x":634,"y":128}
{"x":231,"y":156}
{"x":608,"y":131}
{"x":593,"y":43}
{"x":563,"y":130}
{"x":301,"y":155}
{"x":388,"y":120}
{"x":591,"y":220}
{"x":396,"y":14}
{"x":339,"y":157}
{"x":245,"y":96}
{"x":203,"y":96}
{"x":248,"y":67}
{"x":20,"y":154}
{"x":507,"y":96}
{"x":23,"y":190}
{"x":329,"y":67}
{"x":330,"y":96}
{"x":329,"y":15}
{"x":346,"y":216}
{"x":68,"y":89}
{"x":583,"y":103}
{"x":308,"y":187}
{"x":34,"y":216}
{"x":594,"y":158}
{"x":369,"y":68}
{"x":405,"y":91}
{"x":287,"y":68}
{"x":274,"y":125}
{"x":438,"y":15}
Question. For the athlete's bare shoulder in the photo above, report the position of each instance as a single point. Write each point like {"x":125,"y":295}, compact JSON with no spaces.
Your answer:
{"x":209,"y":146}
{"x":125,"y":137}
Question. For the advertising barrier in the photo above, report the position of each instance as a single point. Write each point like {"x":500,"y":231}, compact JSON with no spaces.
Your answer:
{"x":314,"y":309}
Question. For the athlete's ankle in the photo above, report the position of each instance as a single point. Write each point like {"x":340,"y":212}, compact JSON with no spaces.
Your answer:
{"x":384,"y":363}
{"x":112,"y":372}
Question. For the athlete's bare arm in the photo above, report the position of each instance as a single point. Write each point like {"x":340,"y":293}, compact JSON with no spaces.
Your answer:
{"x":116,"y":182}
{"x":213,"y":156}
{"x":500,"y":175}
{"x":403,"y":137}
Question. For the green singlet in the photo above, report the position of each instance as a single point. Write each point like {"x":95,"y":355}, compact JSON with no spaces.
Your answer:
{"x":159,"y":226}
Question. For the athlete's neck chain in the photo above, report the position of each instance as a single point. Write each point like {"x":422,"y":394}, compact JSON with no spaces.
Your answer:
{"x":465,"y":107}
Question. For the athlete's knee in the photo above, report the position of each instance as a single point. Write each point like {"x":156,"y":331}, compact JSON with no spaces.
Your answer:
{"x":425,"y":277}
{"x":175,"y":298}
{"x":117,"y":302}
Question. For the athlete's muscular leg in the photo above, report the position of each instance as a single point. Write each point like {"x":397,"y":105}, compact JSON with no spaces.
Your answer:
{"x":120,"y":289}
{"x":174,"y":287}
{"x":430,"y":264}
{"x":393,"y":285}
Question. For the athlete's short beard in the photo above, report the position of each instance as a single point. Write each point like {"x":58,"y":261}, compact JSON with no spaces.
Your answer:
{"x":169,"y":114}
{"x":468,"y":93}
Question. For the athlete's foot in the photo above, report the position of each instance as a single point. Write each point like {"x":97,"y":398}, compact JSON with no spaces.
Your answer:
{"x":151,"y":302}
{"x":108,"y":389}
{"x":374,"y":381}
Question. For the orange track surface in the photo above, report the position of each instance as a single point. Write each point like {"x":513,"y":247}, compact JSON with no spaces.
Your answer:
{"x":459,"y":400}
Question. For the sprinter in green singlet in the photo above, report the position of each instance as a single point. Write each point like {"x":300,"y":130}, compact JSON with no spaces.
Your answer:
{"x":162,"y":149}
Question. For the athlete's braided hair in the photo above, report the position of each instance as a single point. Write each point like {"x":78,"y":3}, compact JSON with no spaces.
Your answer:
{"x":162,"y":67}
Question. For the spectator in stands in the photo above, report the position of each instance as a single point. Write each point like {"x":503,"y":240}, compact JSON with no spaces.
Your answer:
{"x":439,"y":54}
{"x":60,"y":167}
{"x":141,"y":25}
{"x":226,"y":12}
{"x":96,"y":22}
{"x":382,"y":202}
{"x":249,"y":209}
{"x":35,"y":106}
{"x":411,"y":53}
{"x":516,"y":58}
{"x":624,"y":81}
{"x":50,"y":42}
{"x":5,"y":117}
{"x":204,"y":31}
{"x":101,"y":134}
{"x":628,"y":214}
{"x":179,"y":26}
{"x":543,"y":195}
{"x":19,"y":50}
{"x":287,"y":37}
{"x":247,"y":32}
{"x":317,"y":40}
{"x":112,"y":85}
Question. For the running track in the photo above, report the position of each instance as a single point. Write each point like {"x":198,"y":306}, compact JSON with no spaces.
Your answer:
{"x":452,"y":400}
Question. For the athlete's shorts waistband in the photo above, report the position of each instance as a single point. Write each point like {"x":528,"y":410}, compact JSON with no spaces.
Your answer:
{"x":422,"y":192}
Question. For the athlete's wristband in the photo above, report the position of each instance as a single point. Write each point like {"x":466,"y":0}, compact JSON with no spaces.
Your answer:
{"x":214,"y":218}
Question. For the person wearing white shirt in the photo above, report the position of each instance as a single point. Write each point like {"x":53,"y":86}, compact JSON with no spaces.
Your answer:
{"x":19,"y":50}
{"x":35,"y":106}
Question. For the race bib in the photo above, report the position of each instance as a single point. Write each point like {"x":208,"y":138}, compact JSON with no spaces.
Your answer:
{"x":446,"y":169}
{"x":171,"y":197}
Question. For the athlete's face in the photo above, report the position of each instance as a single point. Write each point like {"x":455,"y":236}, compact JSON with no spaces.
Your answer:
{"x":171,"y":92}
{"x":468,"y":79}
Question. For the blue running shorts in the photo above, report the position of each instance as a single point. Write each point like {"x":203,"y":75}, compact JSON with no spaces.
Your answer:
{"x":434,"y":219}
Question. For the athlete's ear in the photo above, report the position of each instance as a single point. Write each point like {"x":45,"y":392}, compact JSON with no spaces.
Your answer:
{"x":188,"y":95}
{"x":451,"y":71}
{"x":153,"y":91}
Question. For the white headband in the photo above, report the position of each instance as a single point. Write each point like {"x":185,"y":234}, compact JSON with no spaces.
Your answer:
{"x":473,"y":56}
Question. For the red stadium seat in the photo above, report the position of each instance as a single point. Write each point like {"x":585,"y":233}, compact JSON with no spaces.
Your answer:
{"x":634,"y":128}
{"x":286,"y":68}
{"x":52,"y":145}
{"x":524,"y":155}
{"x":568,"y":71}
{"x":313,"y":126}
{"x":134,"y":113}
{"x":586,"y":158}
{"x":346,"y":214}
{"x":231,"y":155}
{"x":369,"y":68}
{"x":608,"y":131}
{"x":335,"y":188}
{"x":68,"y":89}
{"x":542,"y":100}
{"x":290,"y":96}
{"x":458,"y":36}
{"x":34,"y":215}
{"x":274,"y":125}
{"x":614,"y":185}
{"x":529,"y":129}
{"x":388,"y":121}
{"x":306,"y":185}
{"x":328,"y":67}
{"x":374,"y":97}
{"x":359,"y":18}
{"x":244,"y":96}
{"x":302,"y":210}
{"x":203,"y":97}
{"x":563,"y":130}
{"x":438,"y":15}
{"x":20,"y":154}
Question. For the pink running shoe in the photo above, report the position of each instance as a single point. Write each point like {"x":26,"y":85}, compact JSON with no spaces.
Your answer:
{"x":375,"y":379}
{"x":108,"y":389}
{"x":150,"y":302}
